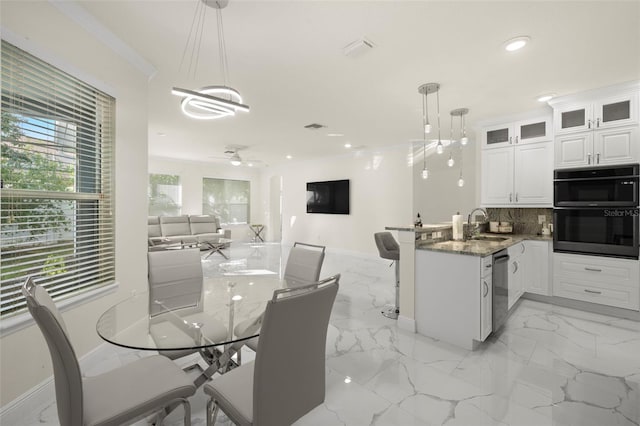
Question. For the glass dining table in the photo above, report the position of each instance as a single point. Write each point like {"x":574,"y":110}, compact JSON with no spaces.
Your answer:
{"x":204,"y":324}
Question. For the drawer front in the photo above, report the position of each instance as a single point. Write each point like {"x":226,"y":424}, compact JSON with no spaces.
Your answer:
{"x":486,"y":266}
{"x":617,"y":272}
{"x":621,"y":297}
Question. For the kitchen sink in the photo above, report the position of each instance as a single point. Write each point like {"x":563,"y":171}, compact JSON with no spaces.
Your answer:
{"x":488,"y":238}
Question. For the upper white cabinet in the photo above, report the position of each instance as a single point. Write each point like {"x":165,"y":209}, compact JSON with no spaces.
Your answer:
{"x":517,"y":163}
{"x":615,"y":111}
{"x":518,"y":175}
{"x":597,"y":128}
{"x":518,"y":132}
{"x":602,"y":147}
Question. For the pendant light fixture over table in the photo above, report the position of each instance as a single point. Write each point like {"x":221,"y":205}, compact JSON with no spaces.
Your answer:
{"x":209,"y":102}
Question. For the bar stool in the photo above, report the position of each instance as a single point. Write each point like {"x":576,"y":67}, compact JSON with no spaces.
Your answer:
{"x":389,"y":249}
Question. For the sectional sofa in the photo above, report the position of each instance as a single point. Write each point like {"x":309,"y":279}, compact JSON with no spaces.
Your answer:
{"x":185,"y":230}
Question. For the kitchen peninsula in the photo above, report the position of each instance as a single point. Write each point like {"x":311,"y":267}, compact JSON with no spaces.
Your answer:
{"x":446,"y":286}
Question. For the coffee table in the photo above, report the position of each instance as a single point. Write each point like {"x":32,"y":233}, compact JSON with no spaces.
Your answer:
{"x":217,"y":246}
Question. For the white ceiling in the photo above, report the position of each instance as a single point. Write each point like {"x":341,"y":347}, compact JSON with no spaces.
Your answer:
{"x":286,"y":59}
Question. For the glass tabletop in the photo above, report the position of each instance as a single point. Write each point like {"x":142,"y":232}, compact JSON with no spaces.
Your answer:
{"x":208,"y":320}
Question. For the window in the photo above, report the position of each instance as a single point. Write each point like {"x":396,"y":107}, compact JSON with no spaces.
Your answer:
{"x":226,"y":198}
{"x":56,"y":204}
{"x":165,"y":195}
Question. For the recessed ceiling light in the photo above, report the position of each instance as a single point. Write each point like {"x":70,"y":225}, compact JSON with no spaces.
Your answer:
{"x":546,"y":98}
{"x":334,"y":135}
{"x":162,"y":134}
{"x":516,"y":43}
{"x":289,"y":157}
{"x":347,"y":145}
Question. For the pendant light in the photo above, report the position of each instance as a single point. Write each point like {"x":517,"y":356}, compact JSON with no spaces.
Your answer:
{"x":425,"y":90}
{"x":210,"y":102}
{"x":461,"y":112}
{"x":460,"y":180}
{"x":451,"y":161}
{"x":425,"y":172}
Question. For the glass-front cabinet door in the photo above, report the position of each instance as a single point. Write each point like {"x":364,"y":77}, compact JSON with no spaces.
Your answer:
{"x":618,"y":111}
{"x":573,"y":118}
{"x":532,"y":131}
{"x":621,"y":110}
{"x":498,"y":136}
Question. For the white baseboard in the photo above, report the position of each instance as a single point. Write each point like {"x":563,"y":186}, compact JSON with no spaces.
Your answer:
{"x":37,"y":398}
{"x":406,"y":323}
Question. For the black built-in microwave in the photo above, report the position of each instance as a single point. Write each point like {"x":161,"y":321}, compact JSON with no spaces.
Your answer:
{"x":596,"y":211}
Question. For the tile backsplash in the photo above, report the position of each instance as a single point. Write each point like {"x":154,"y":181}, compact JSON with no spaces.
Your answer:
{"x":525,"y":221}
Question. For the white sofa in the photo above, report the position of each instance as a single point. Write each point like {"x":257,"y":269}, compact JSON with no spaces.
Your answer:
{"x":185,"y":230}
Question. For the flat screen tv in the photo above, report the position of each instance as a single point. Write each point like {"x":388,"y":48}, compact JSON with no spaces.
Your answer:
{"x":330,"y":197}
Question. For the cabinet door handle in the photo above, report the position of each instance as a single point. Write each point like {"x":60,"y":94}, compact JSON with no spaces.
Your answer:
{"x":486,"y":288}
{"x":598,"y":158}
{"x":510,"y":197}
{"x":598,"y":122}
{"x":523,"y":248}
{"x":592,"y":291}
{"x":510,"y":140}
{"x":517,"y":138}
{"x":586,"y":268}
{"x":588,"y":123}
{"x":589,"y":158}
{"x":516,"y":197}
{"x":515,"y":267}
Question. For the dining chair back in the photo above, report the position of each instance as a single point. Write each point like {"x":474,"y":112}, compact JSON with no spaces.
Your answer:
{"x":176,"y":284}
{"x":283,"y":385}
{"x":304,"y":263}
{"x":175,"y":280}
{"x":132,"y":394}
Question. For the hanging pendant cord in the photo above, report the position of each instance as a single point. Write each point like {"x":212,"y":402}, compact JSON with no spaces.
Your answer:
{"x":438,"y":107}
{"x":222,"y":50}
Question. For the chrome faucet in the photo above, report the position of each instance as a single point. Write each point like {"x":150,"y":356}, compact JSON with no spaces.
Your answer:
{"x":469,"y":231}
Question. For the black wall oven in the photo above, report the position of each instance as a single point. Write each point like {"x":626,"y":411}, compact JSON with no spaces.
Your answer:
{"x":596,"y":211}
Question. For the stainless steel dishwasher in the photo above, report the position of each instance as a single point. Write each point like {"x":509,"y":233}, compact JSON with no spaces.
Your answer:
{"x":500,"y":279}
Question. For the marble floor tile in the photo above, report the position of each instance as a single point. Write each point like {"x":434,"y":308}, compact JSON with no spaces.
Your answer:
{"x":549,"y":365}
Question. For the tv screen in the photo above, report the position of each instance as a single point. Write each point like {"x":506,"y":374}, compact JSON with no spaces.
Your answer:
{"x":330,"y":197}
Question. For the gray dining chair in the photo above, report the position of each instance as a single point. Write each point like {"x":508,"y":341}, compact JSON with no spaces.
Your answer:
{"x":117,"y":397}
{"x":303,"y":267}
{"x":304,"y":263}
{"x":176,"y":286}
{"x":388,"y":248}
{"x":278,"y":388}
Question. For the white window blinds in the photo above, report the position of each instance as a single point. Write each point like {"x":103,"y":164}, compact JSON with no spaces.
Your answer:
{"x":56,"y":203}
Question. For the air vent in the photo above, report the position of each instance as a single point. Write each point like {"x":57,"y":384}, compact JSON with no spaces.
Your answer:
{"x":314,"y":126}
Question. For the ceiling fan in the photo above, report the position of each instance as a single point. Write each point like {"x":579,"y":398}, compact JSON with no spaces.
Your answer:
{"x":232,"y":155}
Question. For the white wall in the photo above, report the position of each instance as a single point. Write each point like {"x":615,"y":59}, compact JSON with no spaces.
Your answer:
{"x":25,"y":360}
{"x":381,"y":195}
{"x":191,"y":174}
{"x":439,"y":197}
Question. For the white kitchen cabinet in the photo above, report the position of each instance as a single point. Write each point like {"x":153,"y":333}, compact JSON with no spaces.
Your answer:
{"x":593,"y":114}
{"x":517,"y":133}
{"x":518,"y":175}
{"x":604,"y":280}
{"x":602,"y":147}
{"x":537,"y":276}
{"x":486,"y":298}
{"x":453,"y":297}
{"x":516,"y":272}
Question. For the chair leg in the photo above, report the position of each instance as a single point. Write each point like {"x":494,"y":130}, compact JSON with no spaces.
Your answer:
{"x":187,"y":412}
{"x":212,"y":412}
